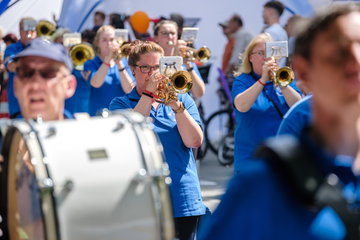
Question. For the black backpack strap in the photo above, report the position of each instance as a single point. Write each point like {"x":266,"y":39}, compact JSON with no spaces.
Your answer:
{"x":276,"y":107}
{"x":299,"y":171}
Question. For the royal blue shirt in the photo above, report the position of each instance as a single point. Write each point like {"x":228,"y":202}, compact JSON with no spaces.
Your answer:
{"x":9,"y":54}
{"x":260,"y":122}
{"x":111,"y":88}
{"x":259,"y":204}
{"x":79,"y":102}
{"x":185,"y":187}
{"x":297,"y":118}
{"x":196,"y":70}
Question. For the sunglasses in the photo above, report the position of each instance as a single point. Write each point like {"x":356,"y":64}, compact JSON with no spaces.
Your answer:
{"x":26,"y":73}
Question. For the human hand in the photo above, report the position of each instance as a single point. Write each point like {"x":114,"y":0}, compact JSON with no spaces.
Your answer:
{"x":110,"y":54}
{"x":155,"y":79}
{"x":267,"y":68}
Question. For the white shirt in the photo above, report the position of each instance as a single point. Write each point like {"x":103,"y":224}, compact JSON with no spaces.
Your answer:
{"x":278,"y":33}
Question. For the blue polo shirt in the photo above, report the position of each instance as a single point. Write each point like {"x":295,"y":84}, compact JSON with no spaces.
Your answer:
{"x":259,"y":204}
{"x":185,"y":187}
{"x":260,"y":122}
{"x":9,"y":54}
{"x":297,"y":118}
{"x":79,"y":102}
{"x":111,"y":88}
{"x":196,"y":70}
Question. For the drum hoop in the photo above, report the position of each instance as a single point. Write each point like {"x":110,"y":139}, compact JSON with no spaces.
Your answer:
{"x":159,"y":185}
{"x":48,"y":206}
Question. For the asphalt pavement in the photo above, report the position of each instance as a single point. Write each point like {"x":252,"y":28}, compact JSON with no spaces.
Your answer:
{"x":214,"y":179}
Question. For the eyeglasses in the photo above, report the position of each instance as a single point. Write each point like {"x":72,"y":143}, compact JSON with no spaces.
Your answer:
{"x":147,"y":68}
{"x":166,"y":34}
{"x":260,"y":53}
{"x":25,"y":73}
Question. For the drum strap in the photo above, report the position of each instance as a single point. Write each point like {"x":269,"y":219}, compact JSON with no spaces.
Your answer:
{"x":299,"y":170}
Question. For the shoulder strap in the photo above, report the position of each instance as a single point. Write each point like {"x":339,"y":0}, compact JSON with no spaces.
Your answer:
{"x":299,"y":170}
{"x":276,"y":107}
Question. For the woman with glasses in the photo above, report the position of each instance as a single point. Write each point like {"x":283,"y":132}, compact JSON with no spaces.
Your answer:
{"x":178,"y":127}
{"x":165,"y":34}
{"x":108,"y":76}
{"x":259,"y":106}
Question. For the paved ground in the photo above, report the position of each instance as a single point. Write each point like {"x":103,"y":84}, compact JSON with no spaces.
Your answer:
{"x":213,"y":179}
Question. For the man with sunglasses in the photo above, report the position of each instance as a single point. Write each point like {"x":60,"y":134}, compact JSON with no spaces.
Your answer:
{"x":10,"y":65}
{"x":43,"y":80}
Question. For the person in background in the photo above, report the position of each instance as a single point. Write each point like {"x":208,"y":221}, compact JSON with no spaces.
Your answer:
{"x":165,"y":34}
{"x":99,"y":19}
{"x":10,"y":38}
{"x":108,"y":76}
{"x":242,"y":38}
{"x":178,"y":126}
{"x":293,"y":25}
{"x":88,"y":36}
{"x":259,"y":107}
{"x":57,"y":37}
{"x":229,"y":45}
{"x":271,"y":14}
{"x":10,"y":52}
{"x":179,"y":19}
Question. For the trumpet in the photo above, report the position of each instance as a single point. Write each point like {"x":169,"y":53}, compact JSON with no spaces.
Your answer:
{"x":80,"y":53}
{"x":177,"y":82}
{"x":202,"y":55}
{"x":45,"y":29}
{"x":120,"y":52}
{"x":283,"y":76}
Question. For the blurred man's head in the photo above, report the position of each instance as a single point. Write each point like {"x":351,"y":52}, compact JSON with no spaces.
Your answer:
{"x":99,"y":18}
{"x":327,"y":59}
{"x":26,"y":34}
{"x":272,"y":12}
{"x":43,"y":80}
{"x":291,"y":25}
{"x":235,"y":23}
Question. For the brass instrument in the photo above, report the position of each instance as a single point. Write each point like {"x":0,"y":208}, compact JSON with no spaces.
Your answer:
{"x":202,"y":55}
{"x":45,"y":29}
{"x":283,"y":76}
{"x":177,"y":82}
{"x":120,"y":52}
{"x":80,"y":53}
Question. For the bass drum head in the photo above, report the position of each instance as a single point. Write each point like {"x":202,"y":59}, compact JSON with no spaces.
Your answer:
{"x":20,"y":200}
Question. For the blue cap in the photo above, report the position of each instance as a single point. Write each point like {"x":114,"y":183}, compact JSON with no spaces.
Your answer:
{"x":43,"y":48}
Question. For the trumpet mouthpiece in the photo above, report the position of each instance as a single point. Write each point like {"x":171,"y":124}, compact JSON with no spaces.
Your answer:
{"x":170,"y":43}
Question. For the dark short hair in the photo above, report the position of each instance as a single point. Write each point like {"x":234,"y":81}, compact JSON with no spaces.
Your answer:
{"x":101,"y":14}
{"x":320,"y":23}
{"x":237,"y":19}
{"x":10,"y":38}
{"x":178,"y":19}
{"x":278,"y":6}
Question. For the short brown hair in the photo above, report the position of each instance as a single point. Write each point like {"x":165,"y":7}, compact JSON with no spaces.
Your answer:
{"x":159,"y":24}
{"x":278,"y":6}
{"x":101,"y":14}
{"x":137,"y":48}
{"x":320,"y":23}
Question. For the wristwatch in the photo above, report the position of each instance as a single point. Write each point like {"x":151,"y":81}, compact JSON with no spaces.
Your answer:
{"x":180,"y":109}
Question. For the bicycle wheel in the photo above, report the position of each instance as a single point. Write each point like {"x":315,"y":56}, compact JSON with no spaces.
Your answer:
{"x":218,"y":126}
{"x":226,"y":150}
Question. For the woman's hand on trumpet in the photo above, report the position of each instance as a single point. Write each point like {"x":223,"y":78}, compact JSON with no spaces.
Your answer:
{"x":109,"y":55}
{"x":268,"y":67}
{"x":155,"y":80}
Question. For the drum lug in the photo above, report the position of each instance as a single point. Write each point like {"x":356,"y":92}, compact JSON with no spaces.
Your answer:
{"x":51,"y":132}
{"x":45,"y":184}
{"x":120,"y":124}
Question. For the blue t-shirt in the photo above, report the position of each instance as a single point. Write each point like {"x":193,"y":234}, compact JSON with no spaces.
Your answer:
{"x":111,"y":88}
{"x":196,"y":70}
{"x":185,"y":187}
{"x":260,"y":122}
{"x":9,"y":54}
{"x":79,"y":102}
{"x":259,"y":204}
{"x":297,"y":118}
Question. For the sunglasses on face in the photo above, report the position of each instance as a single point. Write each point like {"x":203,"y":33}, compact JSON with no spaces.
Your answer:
{"x":147,"y":68}
{"x":26,"y":73}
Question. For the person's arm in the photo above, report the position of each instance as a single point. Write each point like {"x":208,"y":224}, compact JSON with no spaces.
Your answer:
{"x":290,"y":95}
{"x":190,"y":131}
{"x":10,"y":65}
{"x":126,"y":81}
{"x":98,"y":78}
{"x":246,"y":99}
{"x":198,"y":88}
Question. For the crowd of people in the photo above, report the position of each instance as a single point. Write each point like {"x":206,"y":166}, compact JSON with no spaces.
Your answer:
{"x":288,"y":138}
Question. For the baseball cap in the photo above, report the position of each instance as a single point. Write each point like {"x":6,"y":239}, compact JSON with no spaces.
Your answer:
{"x":224,"y":24}
{"x":43,"y":48}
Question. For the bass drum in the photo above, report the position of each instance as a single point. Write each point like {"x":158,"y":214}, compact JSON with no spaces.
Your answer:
{"x":88,"y":178}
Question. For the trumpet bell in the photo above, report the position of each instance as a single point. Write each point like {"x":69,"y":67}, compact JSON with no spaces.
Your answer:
{"x":45,"y":28}
{"x":203,"y":54}
{"x":284,"y":76}
{"x":80,"y":53}
{"x":181,"y":82}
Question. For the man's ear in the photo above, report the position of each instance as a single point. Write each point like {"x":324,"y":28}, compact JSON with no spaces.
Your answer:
{"x":301,"y":68}
{"x":70,"y":86}
{"x":156,"y":38}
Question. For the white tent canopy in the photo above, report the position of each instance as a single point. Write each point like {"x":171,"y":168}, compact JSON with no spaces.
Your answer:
{"x":77,"y":15}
